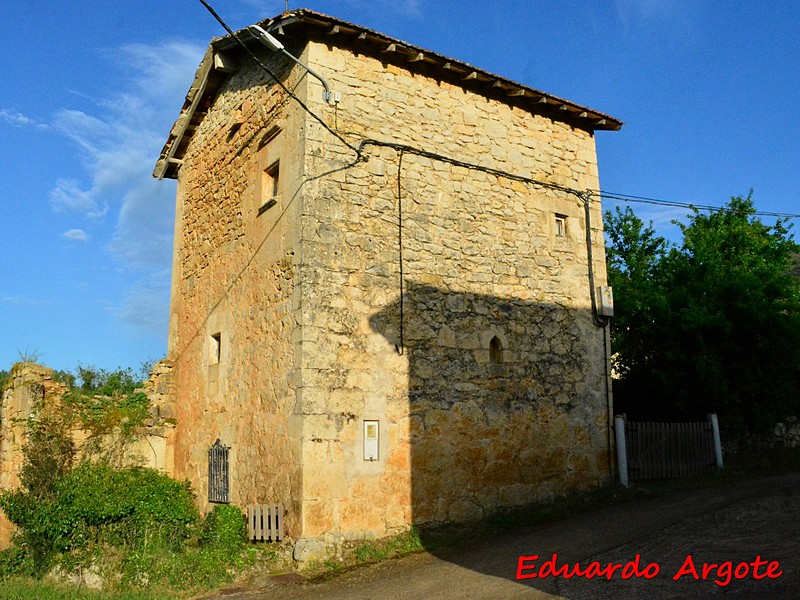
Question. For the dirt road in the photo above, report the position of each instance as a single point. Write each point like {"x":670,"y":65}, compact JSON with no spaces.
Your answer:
{"x":754,"y":521}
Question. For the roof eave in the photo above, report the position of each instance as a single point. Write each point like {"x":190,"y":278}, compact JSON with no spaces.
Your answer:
{"x":216,"y":65}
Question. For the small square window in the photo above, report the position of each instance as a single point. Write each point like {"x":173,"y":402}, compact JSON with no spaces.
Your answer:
{"x":272,"y":180}
{"x":561,"y":226}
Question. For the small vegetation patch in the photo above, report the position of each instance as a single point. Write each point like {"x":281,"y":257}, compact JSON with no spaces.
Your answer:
{"x":81,"y":515}
{"x":25,"y":589}
{"x":391,"y":547}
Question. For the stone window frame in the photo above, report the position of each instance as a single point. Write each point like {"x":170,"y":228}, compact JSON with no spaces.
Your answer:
{"x":215,"y":354}
{"x":495,"y":350}
{"x":215,"y":348}
{"x":506,"y":354}
{"x":269,"y":184}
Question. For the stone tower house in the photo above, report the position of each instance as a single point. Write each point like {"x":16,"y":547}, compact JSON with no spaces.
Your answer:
{"x":386,"y":313}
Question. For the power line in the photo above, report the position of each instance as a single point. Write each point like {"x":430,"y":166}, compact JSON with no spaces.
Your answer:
{"x":583,"y":195}
{"x":689,"y":205}
{"x":278,"y":81}
{"x":467,"y":165}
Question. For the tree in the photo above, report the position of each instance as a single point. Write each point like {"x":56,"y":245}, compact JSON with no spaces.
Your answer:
{"x":711,"y":325}
{"x":635,"y":254}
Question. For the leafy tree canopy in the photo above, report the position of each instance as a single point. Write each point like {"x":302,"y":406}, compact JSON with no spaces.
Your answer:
{"x":711,"y":324}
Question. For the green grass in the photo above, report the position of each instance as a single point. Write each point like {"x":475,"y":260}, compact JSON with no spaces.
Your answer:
{"x":28,"y":589}
{"x":398,"y":545}
{"x":151,"y":575}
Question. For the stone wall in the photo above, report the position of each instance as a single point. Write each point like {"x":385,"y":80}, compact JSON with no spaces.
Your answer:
{"x":786,"y":434}
{"x":235,"y":299}
{"x":28,"y":387}
{"x":460,"y":437}
{"x":285,"y":321}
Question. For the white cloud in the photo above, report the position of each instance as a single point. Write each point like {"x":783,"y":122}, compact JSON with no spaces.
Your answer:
{"x":67,"y":195}
{"x":22,"y":301}
{"x":77,"y":235}
{"x":145,"y":306}
{"x":143,"y":235}
{"x":17,"y":119}
{"x":634,"y":11}
{"x":410,"y":8}
{"x":119,"y":138}
{"x":406,"y":8}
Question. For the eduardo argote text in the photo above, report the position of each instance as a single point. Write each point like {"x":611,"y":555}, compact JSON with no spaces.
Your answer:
{"x":531,"y":567}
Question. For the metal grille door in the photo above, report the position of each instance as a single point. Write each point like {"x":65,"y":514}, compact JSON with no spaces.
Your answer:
{"x":218,"y":488}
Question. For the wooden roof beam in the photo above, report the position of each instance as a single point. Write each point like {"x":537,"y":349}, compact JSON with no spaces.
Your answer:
{"x":225,"y":63}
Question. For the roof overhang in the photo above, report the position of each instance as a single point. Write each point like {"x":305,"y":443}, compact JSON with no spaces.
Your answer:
{"x":221,"y":59}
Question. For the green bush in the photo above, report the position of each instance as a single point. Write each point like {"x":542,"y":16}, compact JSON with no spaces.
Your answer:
{"x":129,"y":502}
{"x":224,"y":528}
{"x":134,"y":526}
{"x":94,"y":503}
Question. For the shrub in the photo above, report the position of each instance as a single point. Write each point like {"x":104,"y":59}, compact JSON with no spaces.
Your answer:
{"x":128,"y":504}
{"x":224,"y":528}
{"x":94,"y":503}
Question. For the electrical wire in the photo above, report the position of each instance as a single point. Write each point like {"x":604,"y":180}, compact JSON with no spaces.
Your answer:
{"x":459,"y":163}
{"x":689,"y":205}
{"x":278,"y":81}
{"x":472,"y":166}
{"x":400,"y":348}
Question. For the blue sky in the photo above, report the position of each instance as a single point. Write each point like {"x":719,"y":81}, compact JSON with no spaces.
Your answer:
{"x":708,"y":91}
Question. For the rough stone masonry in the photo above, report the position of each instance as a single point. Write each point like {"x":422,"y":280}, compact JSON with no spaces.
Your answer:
{"x":362,"y":401}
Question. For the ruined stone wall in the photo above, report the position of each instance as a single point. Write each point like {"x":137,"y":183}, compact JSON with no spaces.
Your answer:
{"x":155,"y":448}
{"x":31,"y":389}
{"x":26,"y":389}
{"x":235,"y":294}
{"x":459,"y":435}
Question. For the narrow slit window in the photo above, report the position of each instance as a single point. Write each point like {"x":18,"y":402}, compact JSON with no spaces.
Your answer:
{"x":216,"y":348}
{"x":269,"y":186}
{"x":495,"y":351}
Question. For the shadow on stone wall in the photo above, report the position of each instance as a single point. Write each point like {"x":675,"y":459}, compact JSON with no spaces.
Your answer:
{"x":507,"y":406}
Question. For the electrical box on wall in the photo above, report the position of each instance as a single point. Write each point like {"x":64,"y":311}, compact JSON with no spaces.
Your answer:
{"x":605,"y":301}
{"x":371,"y":436}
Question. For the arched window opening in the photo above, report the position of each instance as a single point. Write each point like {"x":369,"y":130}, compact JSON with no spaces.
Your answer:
{"x":495,"y":351}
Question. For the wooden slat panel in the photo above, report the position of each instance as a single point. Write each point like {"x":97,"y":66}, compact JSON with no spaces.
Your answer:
{"x":265,"y":522}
